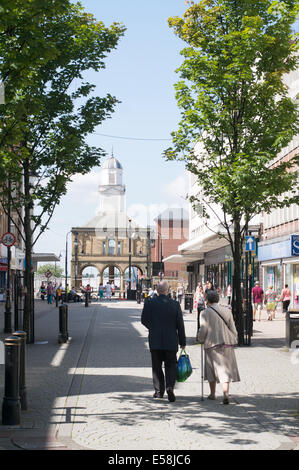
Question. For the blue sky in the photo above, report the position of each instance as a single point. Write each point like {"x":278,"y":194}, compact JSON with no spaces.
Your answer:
{"x":141,"y":74}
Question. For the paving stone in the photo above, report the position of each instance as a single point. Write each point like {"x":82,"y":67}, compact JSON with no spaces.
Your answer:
{"x":96,"y":391}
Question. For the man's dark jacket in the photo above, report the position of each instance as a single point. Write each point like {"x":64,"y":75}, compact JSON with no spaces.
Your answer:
{"x":163,"y":318}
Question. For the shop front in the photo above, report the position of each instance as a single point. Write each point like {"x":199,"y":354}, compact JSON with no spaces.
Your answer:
{"x":280,"y":265}
{"x":3,"y":271}
{"x":219,"y":268}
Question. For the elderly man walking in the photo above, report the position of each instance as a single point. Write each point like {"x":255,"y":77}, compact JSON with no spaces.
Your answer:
{"x":163,"y":318}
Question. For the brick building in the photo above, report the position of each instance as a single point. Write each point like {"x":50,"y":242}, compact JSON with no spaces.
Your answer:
{"x":172,"y":229}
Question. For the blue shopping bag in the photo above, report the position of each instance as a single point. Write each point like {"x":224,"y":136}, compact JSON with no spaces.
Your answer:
{"x":184,"y":368}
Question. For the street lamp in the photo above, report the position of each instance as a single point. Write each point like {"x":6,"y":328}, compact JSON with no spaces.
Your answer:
{"x":76,"y":244}
{"x":130,"y":257}
{"x":7,"y":314}
{"x":66,"y":247}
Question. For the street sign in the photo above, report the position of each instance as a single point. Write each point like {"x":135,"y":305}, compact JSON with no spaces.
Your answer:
{"x":295,"y":245}
{"x":250,"y":243}
{"x":8,"y":239}
{"x":48,"y":274}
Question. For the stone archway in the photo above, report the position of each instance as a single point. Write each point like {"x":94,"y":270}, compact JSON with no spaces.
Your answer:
{"x":112,"y":273}
{"x":90,"y":275}
{"x":137,"y":272}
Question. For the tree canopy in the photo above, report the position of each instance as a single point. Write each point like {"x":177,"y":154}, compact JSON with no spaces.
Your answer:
{"x":44,"y":47}
{"x":233,"y":101}
{"x":236,"y":114}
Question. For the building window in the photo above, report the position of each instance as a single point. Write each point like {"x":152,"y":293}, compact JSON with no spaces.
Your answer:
{"x":111,"y":178}
{"x":111,"y":247}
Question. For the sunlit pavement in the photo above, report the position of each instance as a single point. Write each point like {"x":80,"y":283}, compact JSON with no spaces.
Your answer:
{"x":95,"y":392}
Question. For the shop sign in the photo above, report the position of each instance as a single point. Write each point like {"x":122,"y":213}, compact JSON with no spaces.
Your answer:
{"x":295,"y":245}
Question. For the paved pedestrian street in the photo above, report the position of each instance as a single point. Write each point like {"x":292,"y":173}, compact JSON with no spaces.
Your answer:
{"x":95,"y":392}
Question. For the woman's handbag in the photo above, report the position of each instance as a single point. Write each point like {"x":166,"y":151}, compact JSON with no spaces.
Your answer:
{"x":184,"y":368}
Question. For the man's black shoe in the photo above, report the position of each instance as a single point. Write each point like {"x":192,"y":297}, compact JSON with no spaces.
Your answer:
{"x":171,"y":395}
{"x":158,"y":395}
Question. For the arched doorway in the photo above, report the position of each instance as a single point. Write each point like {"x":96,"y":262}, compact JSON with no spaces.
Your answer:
{"x":90,"y":275}
{"x":112,"y":274}
{"x":136,"y":273}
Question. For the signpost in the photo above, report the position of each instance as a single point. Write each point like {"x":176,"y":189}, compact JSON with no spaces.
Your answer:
{"x":8,"y":239}
{"x":250,"y":247}
{"x":249,"y":243}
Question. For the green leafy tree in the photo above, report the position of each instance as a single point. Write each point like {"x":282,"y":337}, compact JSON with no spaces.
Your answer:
{"x":56,"y":271}
{"x":46,"y":119}
{"x":235,"y":107}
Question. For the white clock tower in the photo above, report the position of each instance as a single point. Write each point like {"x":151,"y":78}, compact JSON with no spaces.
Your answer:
{"x":111,"y":188}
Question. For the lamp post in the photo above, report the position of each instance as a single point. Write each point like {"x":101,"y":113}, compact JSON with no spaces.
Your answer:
{"x":66,"y":260}
{"x":161,"y":261}
{"x":130,"y":258}
{"x":76,"y":244}
{"x":7,"y":314}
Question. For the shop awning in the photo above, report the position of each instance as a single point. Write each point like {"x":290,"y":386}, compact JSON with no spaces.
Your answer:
{"x":183,"y":258}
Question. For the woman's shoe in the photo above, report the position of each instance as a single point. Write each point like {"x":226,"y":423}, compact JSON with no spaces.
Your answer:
{"x":225,"y":399}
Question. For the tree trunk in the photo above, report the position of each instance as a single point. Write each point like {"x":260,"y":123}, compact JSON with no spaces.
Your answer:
{"x":28,"y":301}
{"x":237,"y":307}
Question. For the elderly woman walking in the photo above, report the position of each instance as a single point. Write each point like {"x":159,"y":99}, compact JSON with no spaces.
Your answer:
{"x":218,"y":334}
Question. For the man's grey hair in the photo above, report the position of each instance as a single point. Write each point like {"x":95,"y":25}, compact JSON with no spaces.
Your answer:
{"x":163,"y":287}
{"x":212,"y":296}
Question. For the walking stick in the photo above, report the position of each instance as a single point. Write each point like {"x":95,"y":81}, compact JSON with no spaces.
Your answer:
{"x":202,"y":371}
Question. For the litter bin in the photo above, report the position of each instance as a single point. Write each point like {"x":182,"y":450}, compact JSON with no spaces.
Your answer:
{"x":189,"y":302}
{"x":292,"y":328}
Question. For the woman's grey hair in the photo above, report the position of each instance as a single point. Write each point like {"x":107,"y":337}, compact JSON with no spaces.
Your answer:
{"x":212,"y":296}
{"x":163,"y":287}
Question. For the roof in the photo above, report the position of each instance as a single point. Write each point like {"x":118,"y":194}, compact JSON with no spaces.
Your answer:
{"x":173,"y":213}
{"x":42,"y":257}
{"x":112,"y":164}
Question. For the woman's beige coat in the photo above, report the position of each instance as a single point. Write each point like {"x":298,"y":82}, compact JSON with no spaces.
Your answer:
{"x":213,"y":330}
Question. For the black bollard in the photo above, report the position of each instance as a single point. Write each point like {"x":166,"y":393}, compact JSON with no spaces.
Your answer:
{"x":63,"y":324}
{"x":22,"y":384}
{"x":86,"y":299}
{"x":11,"y":407}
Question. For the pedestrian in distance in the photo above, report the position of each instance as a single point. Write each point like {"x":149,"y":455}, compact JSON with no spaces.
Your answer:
{"x":270,"y":298}
{"x":285,"y":298}
{"x":200,"y":301}
{"x":108,"y":291}
{"x":229,"y":294}
{"x":112,"y":289}
{"x":180,"y":293}
{"x":218,"y":335}
{"x":101,"y":291}
{"x":59,"y":292}
{"x":257,"y":300}
{"x":163,"y":318}
{"x":208,"y":286}
{"x":43,"y":292}
{"x":50,"y":292}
